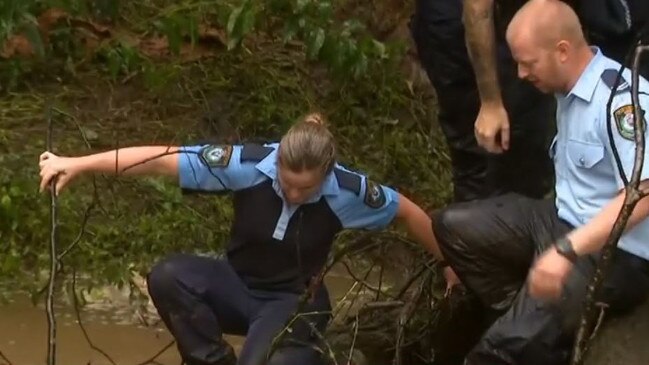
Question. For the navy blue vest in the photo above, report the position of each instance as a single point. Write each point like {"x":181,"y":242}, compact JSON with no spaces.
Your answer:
{"x":264,"y":262}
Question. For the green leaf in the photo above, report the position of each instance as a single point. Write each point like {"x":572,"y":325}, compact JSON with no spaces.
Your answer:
{"x":329,"y":49}
{"x":290,"y":29}
{"x":192,"y":29}
{"x":34,"y":37}
{"x":114,"y":62}
{"x":300,"y":5}
{"x":5,"y":202}
{"x":316,"y":40}
{"x":172,"y":31}
{"x":106,"y":8}
{"x":360,"y":66}
{"x":232,"y":28}
{"x":247,"y":21}
{"x":232,"y":20}
{"x":279,"y":6}
{"x":325,"y":10}
{"x":379,"y":49}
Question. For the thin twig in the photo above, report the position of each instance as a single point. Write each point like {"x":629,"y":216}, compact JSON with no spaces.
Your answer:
{"x":383,"y":305}
{"x":78,"y":315}
{"x":287,"y":327}
{"x":51,"y":320}
{"x":330,"y":352}
{"x":412,"y":279}
{"x":351,"y":348}
{"x":358,"y":291}
{"x":151,"y":360}
{"x":341,"y":302}
{"x":600,"y":319}
{"x":362,"y":243}
{"x":84,"y":222}
{"x":364,"y":282}
{"x":381,"y":269}
{"x":3,"y":357}
{"x":404,"y":318}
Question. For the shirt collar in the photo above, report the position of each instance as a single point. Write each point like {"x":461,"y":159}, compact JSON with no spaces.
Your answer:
{"x":587,"y":82}
{"x":268,"y":166}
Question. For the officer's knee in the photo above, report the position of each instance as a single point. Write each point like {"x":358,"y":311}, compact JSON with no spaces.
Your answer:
{"x":161,"y":280}
{"x":450,"y":222}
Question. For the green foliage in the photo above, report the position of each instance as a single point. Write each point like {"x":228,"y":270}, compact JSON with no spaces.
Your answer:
{"x":13,"y":14}
{"x":344,"y":47}
{"x":261,"y":85}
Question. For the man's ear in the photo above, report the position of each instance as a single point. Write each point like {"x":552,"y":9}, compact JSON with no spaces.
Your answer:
{"x":563,"y":48}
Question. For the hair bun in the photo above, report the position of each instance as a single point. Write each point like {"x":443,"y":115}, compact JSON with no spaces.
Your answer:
{"x":314,"y":118}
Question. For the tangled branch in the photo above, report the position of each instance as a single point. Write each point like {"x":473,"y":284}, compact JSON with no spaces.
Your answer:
{"x":83,"y":328}
{"x":632,"y":196}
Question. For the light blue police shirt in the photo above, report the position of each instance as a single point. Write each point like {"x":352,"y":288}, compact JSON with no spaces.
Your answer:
{"x":219,"y":168}
{"x":587,"y":176}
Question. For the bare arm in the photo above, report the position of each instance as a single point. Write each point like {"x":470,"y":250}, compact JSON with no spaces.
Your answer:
{"x":592,"y":236}
{"x":480,"y":40}
{"x":419,"y":225}
{"x":153,"y":160}
{"x":156,"y":160}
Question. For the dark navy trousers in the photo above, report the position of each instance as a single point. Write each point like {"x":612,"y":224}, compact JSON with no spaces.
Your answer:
{"x":200,"y":299}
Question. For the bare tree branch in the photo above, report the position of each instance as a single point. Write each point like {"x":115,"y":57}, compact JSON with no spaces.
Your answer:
{"x":49,"y":305}
{"x":4,"y":358}
{"x":151,"y":360}
{"x":631,"y":198}
{"x":404,"y":317}
{"x":78,"y":315}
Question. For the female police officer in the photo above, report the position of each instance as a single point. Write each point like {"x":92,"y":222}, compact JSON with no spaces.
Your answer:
{"x":290,"y":200}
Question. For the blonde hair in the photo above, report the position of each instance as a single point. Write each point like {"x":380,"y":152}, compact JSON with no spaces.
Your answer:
{"x":308,"y":145}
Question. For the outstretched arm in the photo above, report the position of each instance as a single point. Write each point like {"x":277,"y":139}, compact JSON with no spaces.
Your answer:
{"x":420,"y":227}
{"x":155,"y":160}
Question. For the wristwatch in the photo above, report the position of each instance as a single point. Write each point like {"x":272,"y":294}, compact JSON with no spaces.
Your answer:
{"x":565,"y":249}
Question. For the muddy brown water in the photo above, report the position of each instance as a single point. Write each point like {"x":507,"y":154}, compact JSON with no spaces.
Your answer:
{"x":111,"y":326}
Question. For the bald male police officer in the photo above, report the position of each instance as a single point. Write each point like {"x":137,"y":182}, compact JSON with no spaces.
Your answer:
{"x":498,"y":127}
{"x":492,"y":244}
{"x":498,"y":137}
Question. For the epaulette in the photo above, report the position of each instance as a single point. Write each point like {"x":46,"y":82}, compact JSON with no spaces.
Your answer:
{"x":255,"y":152}
{"x":348,"y":180}
{"x":610,"y":75}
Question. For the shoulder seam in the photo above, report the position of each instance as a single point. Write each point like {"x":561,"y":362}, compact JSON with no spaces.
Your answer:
{"x":348,"y":180}
{"x":254,"y":152}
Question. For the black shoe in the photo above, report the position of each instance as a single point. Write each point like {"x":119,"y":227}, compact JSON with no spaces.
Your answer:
{"x":228,"y":358}
{"x":222,"y":354}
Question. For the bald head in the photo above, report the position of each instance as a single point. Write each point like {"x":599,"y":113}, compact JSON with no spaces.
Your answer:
{"x":548,"y":45}
{"x":545,"y":23}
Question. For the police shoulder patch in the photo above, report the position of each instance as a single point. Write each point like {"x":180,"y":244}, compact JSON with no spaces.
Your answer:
{"x":216,"y":155}
{"x":625,"y":122}
{"x":374,"y":194}
{"x":609,"y":76}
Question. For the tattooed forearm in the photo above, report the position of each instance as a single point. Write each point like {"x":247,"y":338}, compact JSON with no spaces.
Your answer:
{"x":481,"y":44}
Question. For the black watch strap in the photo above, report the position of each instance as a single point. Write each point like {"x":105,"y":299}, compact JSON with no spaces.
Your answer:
{"x":565,"y":249}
